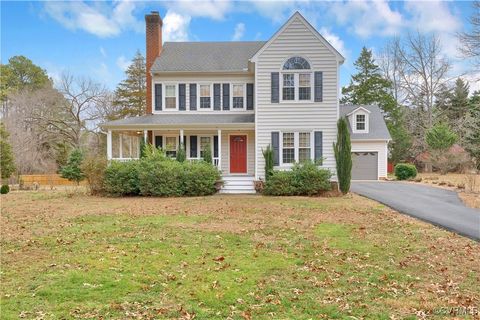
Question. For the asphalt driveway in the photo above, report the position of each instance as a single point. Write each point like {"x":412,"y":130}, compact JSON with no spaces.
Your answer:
{"x":435,"y":205}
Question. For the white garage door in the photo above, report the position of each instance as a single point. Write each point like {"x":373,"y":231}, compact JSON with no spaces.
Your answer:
{"x":364,"y":165}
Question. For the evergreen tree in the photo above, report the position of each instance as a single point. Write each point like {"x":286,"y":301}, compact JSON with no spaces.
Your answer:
{"x":7,"y":164}
{"x":72,"y":171}
{"x":343,"y":155}
{"x":440,"y":137}
{"x":460,"y":101}
{"x":472,"y":138}
{"x":130,"y":95}
{"x":368,"y":86}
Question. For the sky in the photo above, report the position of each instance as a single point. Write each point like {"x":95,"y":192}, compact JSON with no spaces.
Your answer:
{"x":98,"y":39}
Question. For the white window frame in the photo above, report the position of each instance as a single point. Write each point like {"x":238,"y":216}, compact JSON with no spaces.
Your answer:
{"x":211,"y":96}
{"x":164,"y":96}
{"x":296,"y":74}
{"x":199,"y":144}
{"x":164,"y":142}
{"x":355,"y":130}
{"x":296,"y":146}
{"x":244,"y":90}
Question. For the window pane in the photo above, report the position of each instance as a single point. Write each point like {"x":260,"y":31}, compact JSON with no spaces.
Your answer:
{"x":360,"y":126}
{"x":238,"y":90}
{"x":204,"y":90}
{"x":304,"y":93}
{"x":288,"y":80}
{"x":288,"y":140}
{"x":303,"y":154}
{"x":170,"y":143}
{"x":204,"y":142}
{"x":170,"y":103}
{"x":304,"y":139}
{"x":170,"y":90}
{"x":360,"y":117}
{"x":288,"y":155}
{"x":360,"y":122}
{"x":237,"y":102}
{"x":204,"y":102}
{"x":296,"y":63}
{"x":288,"y":93}
{"x":304,"y":79}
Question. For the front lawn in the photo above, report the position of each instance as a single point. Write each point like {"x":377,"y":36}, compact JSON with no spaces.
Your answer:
{"x":243,"y":257}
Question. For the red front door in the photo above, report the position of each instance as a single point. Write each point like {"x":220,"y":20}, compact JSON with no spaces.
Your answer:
{"x":238,"y":154}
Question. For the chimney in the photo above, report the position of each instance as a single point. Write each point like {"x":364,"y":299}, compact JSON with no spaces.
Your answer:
{"x":154,"y":47}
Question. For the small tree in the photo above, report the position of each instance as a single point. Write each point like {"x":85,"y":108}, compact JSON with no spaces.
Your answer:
{"x":440,"y":137}
{"x":269,"y":163}
{"x":72,"y":171}
{"x":207,"y":154}
{"x":7,"y":164}
{"x":343,"y":155}
{"x":181,"y":153}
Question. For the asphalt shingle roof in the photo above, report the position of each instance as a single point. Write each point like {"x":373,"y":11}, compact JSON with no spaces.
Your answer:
{"x":183,"y":119}
{"x":377,"y":127}
{"x":205,"y":56}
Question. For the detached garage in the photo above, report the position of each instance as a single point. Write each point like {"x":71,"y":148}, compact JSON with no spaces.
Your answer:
{"x":370,"y":137}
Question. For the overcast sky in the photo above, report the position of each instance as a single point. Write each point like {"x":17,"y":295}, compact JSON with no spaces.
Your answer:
{"x":98,"y":39}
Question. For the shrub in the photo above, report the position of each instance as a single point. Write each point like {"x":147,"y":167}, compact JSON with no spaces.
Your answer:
{"x":94,"y":169}
{"x":161,"y":178}
{"x":269,"y":163}
{"x":199,"y":178}
{"x":404,"y":171}
{"x":304,"y":179}
{"x":121,"y":178}
{"x":207,"y":154}
{"x":181,"y":153}
{"x":72,"y":170}
{"x":343,"y":155}
{"x":5,"y":189}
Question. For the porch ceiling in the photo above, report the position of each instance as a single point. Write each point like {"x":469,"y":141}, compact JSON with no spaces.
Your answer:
{"x":162,"y":121}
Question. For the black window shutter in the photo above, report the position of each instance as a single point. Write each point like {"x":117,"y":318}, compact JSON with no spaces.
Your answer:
{"x":275,"y":87}
{"x":249,"y":96}
{"x":193,"y":96}
{"x":318,"y":86}
{"x":159,"y":142}
{"x":226,"y":96}
{"x":193,"y":146}
{"x":215,"y":146}
{"x":318,"y":146}
{"x":158,"y":97}
{"x":216,"y":96}
{"x":181,"y":97}
{"x":184,"y":141}
{"x":276,"y":148}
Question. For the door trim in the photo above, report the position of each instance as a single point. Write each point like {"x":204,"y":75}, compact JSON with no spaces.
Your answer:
{"x":246,"y":153}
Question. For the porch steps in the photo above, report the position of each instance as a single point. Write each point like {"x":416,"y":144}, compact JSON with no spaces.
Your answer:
{"x":238,"y":185}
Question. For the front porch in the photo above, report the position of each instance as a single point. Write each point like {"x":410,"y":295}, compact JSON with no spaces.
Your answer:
{"x":232,"y":149}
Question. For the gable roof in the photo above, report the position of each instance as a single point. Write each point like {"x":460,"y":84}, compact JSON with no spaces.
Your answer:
{"x":228,"y":56}
{"x":358,"y":108}
{"x":296,"y":15}
{"x":377,"y":128}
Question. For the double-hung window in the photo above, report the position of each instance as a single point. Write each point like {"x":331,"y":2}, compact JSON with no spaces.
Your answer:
{"x":360,"y":122}
{"x":296,"y":147}
{"x":171,"y":146}
{"x":238,"y":96}
{"x":205,"y":142}
{"x":170,"y":97}
{"x":205,"y":96}
{"x":288,"y":89}
{"x":304,"y":86}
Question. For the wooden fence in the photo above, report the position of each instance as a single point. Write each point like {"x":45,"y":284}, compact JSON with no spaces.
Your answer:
{"x":47,"y":180}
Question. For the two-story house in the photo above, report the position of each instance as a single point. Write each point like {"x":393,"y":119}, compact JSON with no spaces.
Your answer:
{"x":239,"y":97}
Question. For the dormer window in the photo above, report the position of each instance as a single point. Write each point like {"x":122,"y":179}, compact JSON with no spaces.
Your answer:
{"x":360,"y":122}
{"x":296,"y":80}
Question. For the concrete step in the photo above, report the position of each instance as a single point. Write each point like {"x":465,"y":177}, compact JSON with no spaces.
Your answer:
{"x":238,"y":191}
{"x":238,"y":178}
{"x":238,"y":183}
{"x":239,"y":187}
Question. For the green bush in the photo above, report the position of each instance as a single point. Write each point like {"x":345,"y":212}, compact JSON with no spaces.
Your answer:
{"x":94,"y":167}
{"x":404,"y":171}
{"x":121,"y":178}
{"x":5,"y":189}
{"x":199,"y":178}
{"x":160,"y":178}
{"x":181,"y":153}
{"x":207,"y":154}
{"x":304,"y":179}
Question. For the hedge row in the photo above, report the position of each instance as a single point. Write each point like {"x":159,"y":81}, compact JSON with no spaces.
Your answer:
{"x":305,"y":179}
{"x":160,"y":177}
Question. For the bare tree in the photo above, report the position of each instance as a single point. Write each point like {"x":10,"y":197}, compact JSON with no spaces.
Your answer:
{"x":470,"y":41}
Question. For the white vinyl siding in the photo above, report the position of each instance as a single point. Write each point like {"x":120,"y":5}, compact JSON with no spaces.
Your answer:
{"x":309,"y":116}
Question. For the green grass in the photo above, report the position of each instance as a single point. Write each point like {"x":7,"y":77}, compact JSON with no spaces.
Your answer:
{"x":116,"y":266}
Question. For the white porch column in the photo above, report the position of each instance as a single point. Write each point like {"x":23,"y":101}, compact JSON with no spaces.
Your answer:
{"x":145,"y":136}
{"x":120,"y":144}
{"x":181,"y":137}
{"x":219,"y":133}
{"x":109,"y":145}
{"x":130,"y":151}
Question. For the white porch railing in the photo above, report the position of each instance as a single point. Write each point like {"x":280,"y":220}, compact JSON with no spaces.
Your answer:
{"x":216,"y":161}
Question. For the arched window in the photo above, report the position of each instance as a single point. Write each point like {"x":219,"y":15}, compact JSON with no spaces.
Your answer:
{"x":296,"y":63}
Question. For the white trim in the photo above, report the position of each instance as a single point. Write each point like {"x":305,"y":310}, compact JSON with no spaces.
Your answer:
{"x":246,"y":152}
{"x":296,"y":146}
{"x":296,"y":15}
{"x":205,"y":83}
{"x":296,"y":87}
{"x":357,"y":109}
{"x":256,"y":122}
{"x":354,"y":122}
{"x":244,"y":84}
{"x":109,"y":145}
